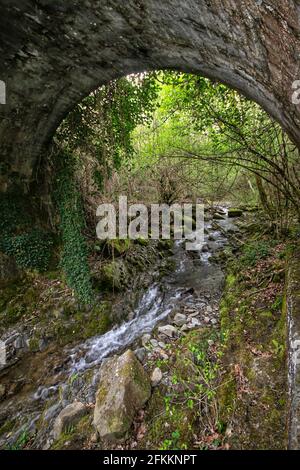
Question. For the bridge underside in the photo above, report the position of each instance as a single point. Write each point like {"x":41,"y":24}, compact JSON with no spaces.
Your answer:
{"x":53,"y":53}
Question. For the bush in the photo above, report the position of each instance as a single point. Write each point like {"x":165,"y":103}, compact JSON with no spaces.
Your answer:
{"x":255,"y":251}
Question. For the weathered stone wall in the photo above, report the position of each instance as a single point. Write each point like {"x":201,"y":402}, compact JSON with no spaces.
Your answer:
{"x":293,"y":313}
{"x":54,"y":52}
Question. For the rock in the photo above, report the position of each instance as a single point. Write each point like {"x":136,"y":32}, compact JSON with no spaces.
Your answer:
{"x":206,"y":319}
{"x":156,"y":377}
{"x":145,"y":339}
{"x":68,"y":417}
{"x":9,"y":271}
{"x":184,"y":328}
{"x":161,"y":353}
{"x":141,"y":354}
{"x":124,"y":389}
{"x":114,"y":275}
{"x":194,"y":314}
{"x":217,"y":216}
{"x":180,"y":319}
{"x":232,"y":212}
{"x":2,"y":392}
{"x":205,"y":248}
{"x":52,"y":411}
{"x":168,"y":330}
{"x":195,"y":322}
{"x":94,"y":438}
{"x":209,"y":309}
{"x":162,"y":345}
{"x":154,"y":343}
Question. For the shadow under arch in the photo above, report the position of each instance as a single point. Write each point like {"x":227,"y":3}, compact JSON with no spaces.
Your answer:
{"x":55,"y":55}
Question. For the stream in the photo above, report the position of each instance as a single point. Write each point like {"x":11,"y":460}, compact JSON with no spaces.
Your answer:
{"x":195,"y":285}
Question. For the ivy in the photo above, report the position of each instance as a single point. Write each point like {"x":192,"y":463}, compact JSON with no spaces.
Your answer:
{"x":30,"y":247}
{"x":74,"y":259}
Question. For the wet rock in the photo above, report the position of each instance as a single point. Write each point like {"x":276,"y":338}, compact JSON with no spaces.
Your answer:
{"x":217,"y":216}
{"x":141,"y":354}
{"x":124,"y":389}
{"x":52,"y":412}
{"x":156,"y":377}
{"x":69,"y":417}
{"x":180,"y":319}
{"x":168,"y":330}
{"x":145,"y":339}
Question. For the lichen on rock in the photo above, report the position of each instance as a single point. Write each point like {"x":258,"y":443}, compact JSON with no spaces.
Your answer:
{"x":124,"y":389}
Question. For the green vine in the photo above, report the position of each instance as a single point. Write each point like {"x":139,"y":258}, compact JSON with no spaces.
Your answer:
{"x":30,"y":247}
{"x":74,"y":259}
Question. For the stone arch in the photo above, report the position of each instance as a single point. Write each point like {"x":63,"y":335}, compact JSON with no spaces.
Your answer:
{"x":55,"y":52}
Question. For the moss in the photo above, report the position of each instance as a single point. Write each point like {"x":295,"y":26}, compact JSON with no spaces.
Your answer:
{"x":84,"y":325}
{"x":230,"y":280}
{"x":7,"y":427}
{"x":234,"y":212}
{"x":118,"y":246}
{"x":34,"y":344}
{"x":75,"y":437}
{"x":114,"y":275}
{"x":254,"y":360}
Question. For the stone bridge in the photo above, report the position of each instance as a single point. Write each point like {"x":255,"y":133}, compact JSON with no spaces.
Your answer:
{"x":54,"y":52}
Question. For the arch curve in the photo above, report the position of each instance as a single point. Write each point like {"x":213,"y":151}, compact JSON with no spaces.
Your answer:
{"x":55,"y":52}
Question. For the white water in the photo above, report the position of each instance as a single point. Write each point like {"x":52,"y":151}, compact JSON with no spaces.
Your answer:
{"x":151,"y":310}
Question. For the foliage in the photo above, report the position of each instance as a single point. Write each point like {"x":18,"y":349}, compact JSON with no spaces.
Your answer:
{"x":101,"y":125}
{"x":31,"y":247}
{"x":74,"y":260}
{"x":254,"y":251}
{"x":229,"y":144}
{"x":31,"y":250}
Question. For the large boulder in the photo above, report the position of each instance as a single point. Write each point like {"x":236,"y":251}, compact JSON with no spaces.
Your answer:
{"x":69,"y":417}
{"x":124,"y":389}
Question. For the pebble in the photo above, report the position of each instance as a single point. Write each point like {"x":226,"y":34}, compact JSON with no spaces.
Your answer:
{"x":145,"y":339}
{"x":168,"y":330}
{"x":154,"y":343}
{"x":156,"y":377}
{"x":141,"y":354}
{"x":180,"y":319}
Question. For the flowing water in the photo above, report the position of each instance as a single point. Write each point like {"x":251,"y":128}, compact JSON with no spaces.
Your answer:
{"x":196,"y":282}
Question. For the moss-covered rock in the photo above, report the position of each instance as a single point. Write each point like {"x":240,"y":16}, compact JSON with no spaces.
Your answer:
{"x":234,"y":212}
{"x":124,"y":389}
{"x":68,"y":417}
